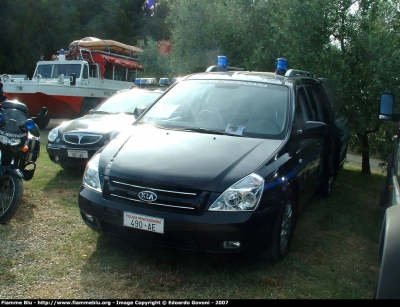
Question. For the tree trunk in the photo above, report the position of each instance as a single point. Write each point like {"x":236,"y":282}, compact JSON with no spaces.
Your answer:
{"x":365,"y":165}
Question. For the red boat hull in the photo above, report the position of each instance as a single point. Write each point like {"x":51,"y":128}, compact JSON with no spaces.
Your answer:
{"x":58,"y":106}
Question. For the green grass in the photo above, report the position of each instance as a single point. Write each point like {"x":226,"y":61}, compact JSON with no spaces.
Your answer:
{"x":48,"y":252}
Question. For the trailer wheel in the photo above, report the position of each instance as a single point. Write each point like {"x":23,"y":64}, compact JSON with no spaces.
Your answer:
{"x":42,"y":121}
{"x":87,"y":105}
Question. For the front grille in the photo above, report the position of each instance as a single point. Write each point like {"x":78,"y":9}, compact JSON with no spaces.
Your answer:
{"x":168,"y":198}
{"x":81,"y":138}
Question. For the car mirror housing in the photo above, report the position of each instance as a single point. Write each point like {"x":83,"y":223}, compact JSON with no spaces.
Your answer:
{"x":139,"y":111}
{"x":386,"y":107}
{"x":312,"y":129}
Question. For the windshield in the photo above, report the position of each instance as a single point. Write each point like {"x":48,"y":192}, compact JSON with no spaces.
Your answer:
{"x":54,"y":70}
{"x":238,"y":108}
{"x":12,"y":120}
{"x":127,"y":101}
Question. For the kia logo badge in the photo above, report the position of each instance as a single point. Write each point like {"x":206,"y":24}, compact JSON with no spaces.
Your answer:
{"x":147,"y":196}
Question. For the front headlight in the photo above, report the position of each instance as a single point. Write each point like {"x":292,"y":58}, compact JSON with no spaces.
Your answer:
{"x":53,"y":135}
{"x":91,"y":178}
{"x":244,"y":195}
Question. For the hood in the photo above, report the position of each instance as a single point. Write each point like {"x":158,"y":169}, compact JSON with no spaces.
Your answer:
{"x":99,"y":123}
{"x":184,"y":159}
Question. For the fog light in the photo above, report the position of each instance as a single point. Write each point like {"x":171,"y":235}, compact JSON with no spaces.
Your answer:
{"x":56,"y":158}
{"x":89,"y":217}
{"x":231,"y":244}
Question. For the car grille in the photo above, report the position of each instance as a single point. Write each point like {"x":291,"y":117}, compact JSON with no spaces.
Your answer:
{"x":81,"y":138}
{"x":168,"y":198}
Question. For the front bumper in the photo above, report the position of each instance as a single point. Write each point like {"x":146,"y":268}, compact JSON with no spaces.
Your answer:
{"x":211,"y":232}
{"x":59,"y":155}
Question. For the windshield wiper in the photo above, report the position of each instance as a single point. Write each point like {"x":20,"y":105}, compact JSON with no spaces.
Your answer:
{"x":153,"y":124}
{"x":209,"y":131}
{"x":192,"y":129}
{"x":103,"y":112}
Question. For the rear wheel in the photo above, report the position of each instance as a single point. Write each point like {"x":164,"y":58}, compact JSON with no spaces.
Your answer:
{"x":281,"y":241}
{"x":327,"y":185}
{"x":11,"y":190}
{"x":330,"y":169}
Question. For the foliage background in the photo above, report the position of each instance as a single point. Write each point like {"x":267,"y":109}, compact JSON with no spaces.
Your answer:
{"x":356,"y":43}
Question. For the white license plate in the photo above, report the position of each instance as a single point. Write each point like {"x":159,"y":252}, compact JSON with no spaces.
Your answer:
{"x":144,"y":222}
{"x":77,"y":153}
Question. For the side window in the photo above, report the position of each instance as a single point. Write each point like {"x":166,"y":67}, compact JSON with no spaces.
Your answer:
{"x":93,"y":70}
{"x":312,"y":91}
{"x":324,"y":103}
{"x":85,"y":73}
{"x":300,"y":113}
{"x":108,"y":71}
{"x":44,"y":70}
{"x":335,"y":100}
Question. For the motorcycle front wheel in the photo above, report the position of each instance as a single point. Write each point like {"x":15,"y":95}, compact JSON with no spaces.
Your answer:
{"x":11,"y":190}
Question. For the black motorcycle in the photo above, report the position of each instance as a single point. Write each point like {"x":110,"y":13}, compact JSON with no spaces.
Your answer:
{"x":19,"y":150}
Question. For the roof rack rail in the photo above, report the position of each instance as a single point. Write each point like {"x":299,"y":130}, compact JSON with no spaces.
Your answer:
{"x":229,"y":68}
{"x":298,"y":73}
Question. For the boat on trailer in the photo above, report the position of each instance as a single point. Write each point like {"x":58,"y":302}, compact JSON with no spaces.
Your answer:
{"x":76,"y":80}
{"x":107,"y":45}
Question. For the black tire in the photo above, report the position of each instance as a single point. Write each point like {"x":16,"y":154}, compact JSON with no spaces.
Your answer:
{"x":87,"y":105}
{"x":11,"y":190}
{"x":282,"y":235}
{"x":327,"y":185}
{"x":42,"y":122}
{"x":343,"y":161}
{"x":327,"y":176}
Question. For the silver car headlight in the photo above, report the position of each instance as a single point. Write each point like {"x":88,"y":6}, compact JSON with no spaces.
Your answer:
{"x":91,"y":178}
{"x":53,"y":134}
{"x":244,"y":195}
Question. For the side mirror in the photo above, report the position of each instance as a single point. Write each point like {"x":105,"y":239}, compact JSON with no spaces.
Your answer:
{"x":312,"y":129}
{"x":35,"y":131}
{"x":139,"y":111}
{"x":386,"y":107}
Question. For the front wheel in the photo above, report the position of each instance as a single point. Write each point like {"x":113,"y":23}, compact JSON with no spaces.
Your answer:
{"x":11,"y":190}
{"x":281,"y":240}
